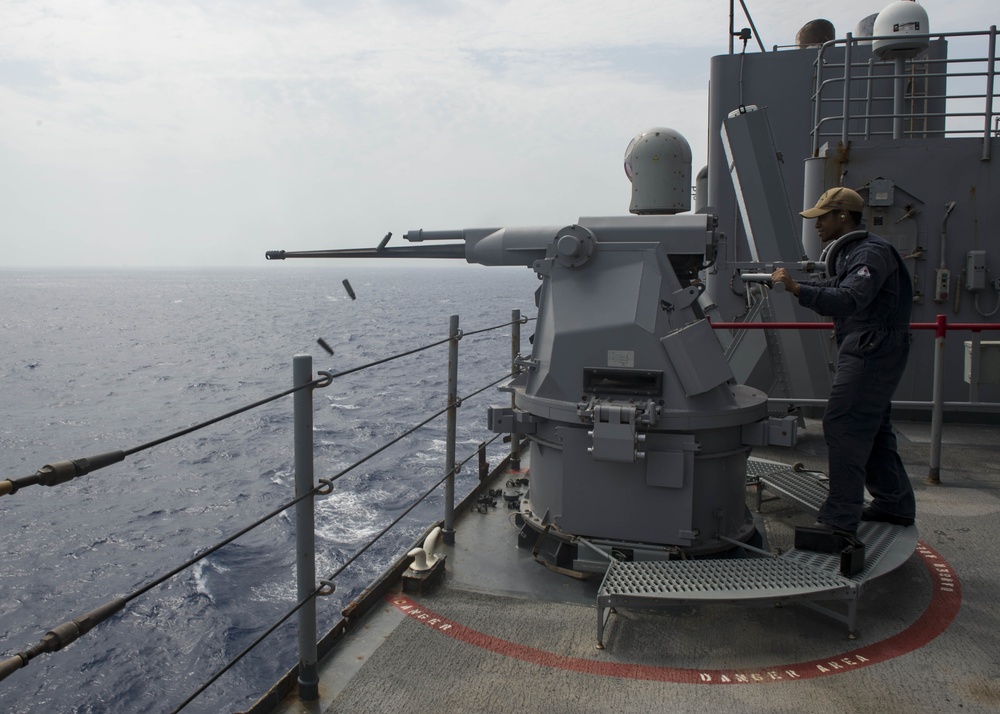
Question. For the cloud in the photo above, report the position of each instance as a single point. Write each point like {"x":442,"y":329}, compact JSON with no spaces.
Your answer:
{"x":178,"y":130}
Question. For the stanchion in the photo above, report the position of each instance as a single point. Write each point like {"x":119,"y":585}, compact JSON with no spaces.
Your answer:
{"x":937,"y":397}
{"x":305,"y":534}
{"x":515,"y":351}
{"x":448,"y":531}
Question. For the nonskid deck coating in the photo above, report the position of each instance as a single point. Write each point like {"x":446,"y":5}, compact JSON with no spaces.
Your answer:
{"x":944,"y":605}
{"x":924,"y":644}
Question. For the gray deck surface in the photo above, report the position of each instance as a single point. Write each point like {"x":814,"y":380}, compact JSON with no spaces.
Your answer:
{"x":529,"y":642}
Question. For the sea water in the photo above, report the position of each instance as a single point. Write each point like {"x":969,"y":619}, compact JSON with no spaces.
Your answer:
{"x":99,"y":360}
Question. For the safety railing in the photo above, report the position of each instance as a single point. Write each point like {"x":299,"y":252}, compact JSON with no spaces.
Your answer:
{"x":904,"y":98}
{"x":307,"y":487}
{"x":937,"y":404}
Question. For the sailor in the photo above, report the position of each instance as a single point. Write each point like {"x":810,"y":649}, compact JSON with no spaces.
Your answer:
{"x":868,"y":294}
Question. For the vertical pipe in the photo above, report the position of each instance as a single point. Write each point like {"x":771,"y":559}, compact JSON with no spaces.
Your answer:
{"x":990,"y":73}
{"x":974,"y":365}
{"x":937,"y":411}
{"x":484,"y":467}
{"x":898,"y":97}
{"x":515,"y":352}
{"x":448,"y":532}
{"x":868,"y":98}
{"x":817,"y":111}
{"x":813,"y":185}
{"x":305,"y":535}
{"x":732,"y":25}
{"x":846,"y":106}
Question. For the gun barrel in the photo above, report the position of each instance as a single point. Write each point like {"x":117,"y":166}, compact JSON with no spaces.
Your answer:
{"x":691,"y":236}
{"x":420,"y":235}
{"x":456,"y":250}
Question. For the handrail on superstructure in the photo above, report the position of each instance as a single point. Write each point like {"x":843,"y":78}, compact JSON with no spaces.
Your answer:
{"x":827,"y":76}
{"x":306,"y":489}
{"x":941,"y":329}
{"x":948,"y":326}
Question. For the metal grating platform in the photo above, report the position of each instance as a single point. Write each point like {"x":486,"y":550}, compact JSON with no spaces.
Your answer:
{"x":886,"y":548}
{"x":805,"y":577}
{"x":720,"y":580}
{"x":746,"y":580}
{"x":759,"y":467}
{"x":802,"y":489}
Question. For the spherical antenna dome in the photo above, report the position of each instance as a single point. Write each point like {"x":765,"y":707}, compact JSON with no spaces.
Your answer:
{"x":814,"y":33}
{"x":865,"y":27}
{"x":900,"y":23}
{"x":658,"y":163}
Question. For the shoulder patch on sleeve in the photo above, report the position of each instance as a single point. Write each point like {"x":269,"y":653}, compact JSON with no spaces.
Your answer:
{"x":863,"y":272}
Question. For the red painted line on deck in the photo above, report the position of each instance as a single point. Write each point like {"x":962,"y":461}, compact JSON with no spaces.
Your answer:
{"x":946,"y":600}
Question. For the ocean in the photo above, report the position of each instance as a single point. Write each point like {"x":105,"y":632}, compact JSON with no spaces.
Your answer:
{"x":98,"y":360}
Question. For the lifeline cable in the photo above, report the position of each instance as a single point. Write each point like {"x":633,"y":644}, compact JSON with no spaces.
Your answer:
{"x":456,"y":469}
{"x":329,"y":579}
{"x":461,"y":334}
{"x":246,"y":650}
{"x":62,"y":635}
{"x":63,"y":471}
{"x":411,"y":430}
{"x":400,"y":517}
{"x":319,"y":382}
{"x":388,"y":359}
{"x":68,"y":632}
{"x":522,"y":321}
{"x":385,"y":446}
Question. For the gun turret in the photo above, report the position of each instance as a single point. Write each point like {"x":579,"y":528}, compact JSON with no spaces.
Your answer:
{"x":638,"y":431}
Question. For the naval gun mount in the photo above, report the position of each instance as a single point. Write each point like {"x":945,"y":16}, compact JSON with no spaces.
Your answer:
{"x":638,"y":432}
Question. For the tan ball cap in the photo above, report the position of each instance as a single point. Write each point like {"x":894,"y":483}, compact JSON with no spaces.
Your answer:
{"x":836,"y":199}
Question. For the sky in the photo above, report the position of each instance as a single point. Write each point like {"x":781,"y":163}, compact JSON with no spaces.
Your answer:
{"x":204,"y":133}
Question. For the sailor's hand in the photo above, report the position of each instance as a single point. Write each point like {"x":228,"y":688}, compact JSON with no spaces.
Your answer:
{"x":781,"y":276}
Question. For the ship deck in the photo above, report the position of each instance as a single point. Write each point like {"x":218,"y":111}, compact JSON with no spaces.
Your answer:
{"x":502,"y":632}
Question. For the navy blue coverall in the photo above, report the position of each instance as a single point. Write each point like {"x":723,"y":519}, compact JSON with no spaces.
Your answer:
{"x":869,"y":300}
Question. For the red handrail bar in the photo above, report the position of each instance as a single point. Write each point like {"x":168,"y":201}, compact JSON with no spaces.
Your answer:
{"x":942,"y":324}
{"x":941,"y":327}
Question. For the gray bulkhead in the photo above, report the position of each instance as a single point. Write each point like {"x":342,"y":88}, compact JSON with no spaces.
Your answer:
{"x":913,"y":179}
